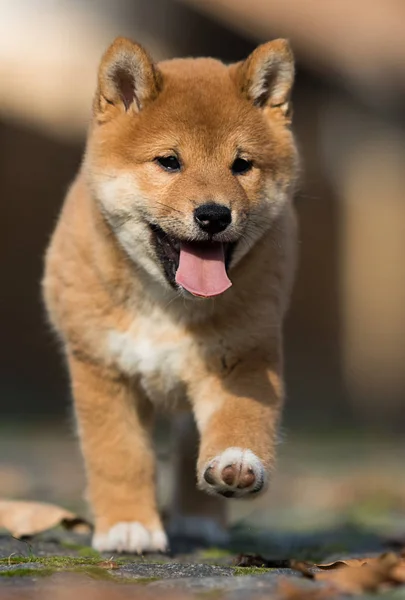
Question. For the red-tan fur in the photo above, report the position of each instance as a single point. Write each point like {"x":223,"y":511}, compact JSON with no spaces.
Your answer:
{"x":107,"y":296}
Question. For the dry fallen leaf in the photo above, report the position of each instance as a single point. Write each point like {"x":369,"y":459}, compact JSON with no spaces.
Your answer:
{"x":350,"y":562}
{"x":303,"y":567}
{"x":355,"y":580}
{"x":398,"y":571}
{"x":25,"y":519}
{"x":358,"y":575}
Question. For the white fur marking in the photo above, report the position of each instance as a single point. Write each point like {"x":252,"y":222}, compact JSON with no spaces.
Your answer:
{"x":152,"y":349}
{"x":203,"y":411}
{"x":138,"y":354}
{"x":130,"y":537}
{"x":120,"y":197}
{"x":142,"y":355}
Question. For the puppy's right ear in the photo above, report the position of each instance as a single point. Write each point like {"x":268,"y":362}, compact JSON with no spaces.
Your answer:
{"x":127,"y":80}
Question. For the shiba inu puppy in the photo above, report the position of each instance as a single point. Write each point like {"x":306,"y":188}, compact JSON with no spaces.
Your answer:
{"x":168,"y":277}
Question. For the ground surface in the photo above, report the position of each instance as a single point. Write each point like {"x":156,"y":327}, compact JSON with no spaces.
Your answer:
{"x":334,"y":497}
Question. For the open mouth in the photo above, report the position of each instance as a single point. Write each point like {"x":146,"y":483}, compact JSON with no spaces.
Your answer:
{"x":198,"y":267}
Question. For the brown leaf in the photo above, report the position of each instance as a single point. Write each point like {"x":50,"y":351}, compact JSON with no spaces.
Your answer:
{"x":358,"y":575}
{"x":303,"y":567}
{"x":341,"y":563}
{"x":354,"y":579}
{"x":24,"y":519}
{"x":350,"y":562}
{"x":398,"y":572}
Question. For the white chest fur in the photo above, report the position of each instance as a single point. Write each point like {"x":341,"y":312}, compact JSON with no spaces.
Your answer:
{"x":153,"y":350}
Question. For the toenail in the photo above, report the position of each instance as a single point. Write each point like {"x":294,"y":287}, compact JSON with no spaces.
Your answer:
{"x":258,"y":489}
{"x":208,"y":476}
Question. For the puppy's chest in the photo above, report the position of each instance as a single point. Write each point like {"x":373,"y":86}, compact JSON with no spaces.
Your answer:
{"x":154,"y":351}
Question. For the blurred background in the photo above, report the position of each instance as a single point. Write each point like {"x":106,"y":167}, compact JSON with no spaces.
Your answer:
{"x":345,"y":341}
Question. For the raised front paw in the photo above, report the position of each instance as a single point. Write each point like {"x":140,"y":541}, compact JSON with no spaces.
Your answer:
{"x":130,"y":537}
{"x":234,"y":473}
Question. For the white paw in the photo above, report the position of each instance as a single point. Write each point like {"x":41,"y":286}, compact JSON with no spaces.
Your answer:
{"x":130,"y":537}
{"x":235,"y":473}
{"x":203,"y":529}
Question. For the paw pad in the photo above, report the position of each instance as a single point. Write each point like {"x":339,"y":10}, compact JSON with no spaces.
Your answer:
{"x":234,"y":473}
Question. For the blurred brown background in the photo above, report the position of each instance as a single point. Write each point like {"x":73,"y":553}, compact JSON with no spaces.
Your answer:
{"x":346,"y":328}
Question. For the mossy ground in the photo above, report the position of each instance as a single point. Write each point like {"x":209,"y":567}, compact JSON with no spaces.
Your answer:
{"x":88,"y":563}
{"x":307,"y":517}
{"x":243,"y":571}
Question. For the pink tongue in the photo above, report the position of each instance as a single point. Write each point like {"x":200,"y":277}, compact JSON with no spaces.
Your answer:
{"x":202,"y":269}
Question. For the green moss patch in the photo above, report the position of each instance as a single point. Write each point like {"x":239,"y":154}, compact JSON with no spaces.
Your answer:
{"x":55,"y":562}
{"x":239,"y":571}
{"x":48,"y":565}
{"x":89,"y":566}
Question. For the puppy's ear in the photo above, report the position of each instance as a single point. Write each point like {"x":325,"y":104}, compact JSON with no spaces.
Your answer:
{"x":267,"y":75}
{"x":127,"y":80}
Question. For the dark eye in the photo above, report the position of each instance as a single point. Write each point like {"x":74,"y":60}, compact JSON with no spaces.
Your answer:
{"x":241,"y":166}
{"x":169,"y":163}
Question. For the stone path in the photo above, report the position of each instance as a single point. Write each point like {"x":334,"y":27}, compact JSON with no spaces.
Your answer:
{"x":329,"y":498}
{"x":49,"y":566}
{"x":61,"y":563}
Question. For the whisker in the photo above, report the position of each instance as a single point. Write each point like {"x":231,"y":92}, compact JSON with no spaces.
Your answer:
{"x":170,"y":207}
{"x":172,"y":300}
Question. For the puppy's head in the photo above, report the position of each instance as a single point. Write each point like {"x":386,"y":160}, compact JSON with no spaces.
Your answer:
{"x":191,"y":160}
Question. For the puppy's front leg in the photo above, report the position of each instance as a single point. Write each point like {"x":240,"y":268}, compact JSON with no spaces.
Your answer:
{"x":114,"y":423}
{"x":238,"y":417}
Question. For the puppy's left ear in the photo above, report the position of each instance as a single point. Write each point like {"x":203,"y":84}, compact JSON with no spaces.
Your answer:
{"x":266,"y":77}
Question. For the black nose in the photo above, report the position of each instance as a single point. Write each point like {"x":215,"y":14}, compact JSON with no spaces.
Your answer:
{"x":212,"y":217}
